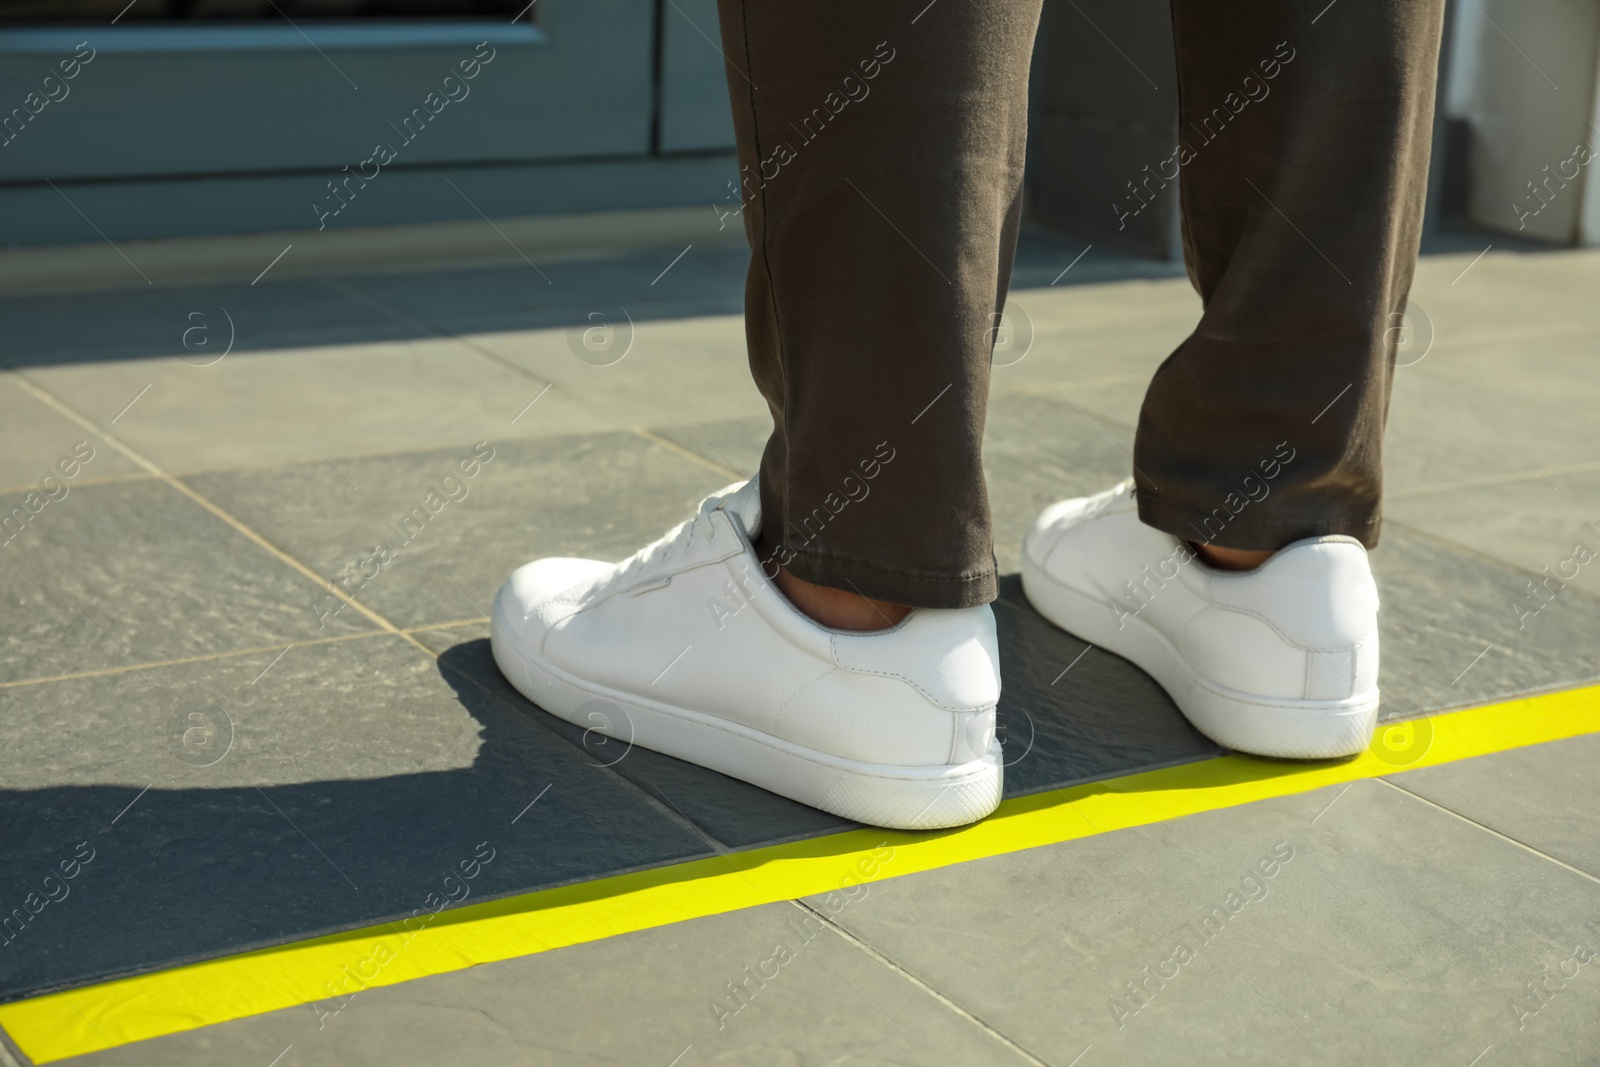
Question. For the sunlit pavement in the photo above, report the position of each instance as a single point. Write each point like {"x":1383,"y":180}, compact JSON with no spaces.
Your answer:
{"x":227,"y":754}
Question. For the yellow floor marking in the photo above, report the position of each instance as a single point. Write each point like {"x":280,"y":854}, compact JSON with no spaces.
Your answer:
{"x":70,"y":1023}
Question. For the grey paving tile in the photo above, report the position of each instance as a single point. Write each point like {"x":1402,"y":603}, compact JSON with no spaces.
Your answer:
{"x":1045,"y":260}
{"x":335,"y":787}
{"x":1552,"y":371}
{"x":1446,"y":429}
{"x":667,"y":372}
{"x":1515,"y":335}
{"x":313,"y":404}
{"x":734,"y":814}
{"x":127,"y":573}
{"x":1085,"y":332}
{"x":35,"y":440}
{"x":1114,"y":398}
{"x":1546,"y":796}
{"x":1379,"y":911}
{"x":707,"y":280}
{"x":1451,"y":638}
{"x":1509,"y":295}
{"x":640,"y":998}
{"x":735,"y":443}
{"x":1529,"y":523}
{"x":189,"y":325}
{"x":598,"y":495}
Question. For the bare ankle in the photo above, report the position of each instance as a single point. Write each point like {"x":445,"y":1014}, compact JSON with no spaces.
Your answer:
{"x":1230,"y":559}
{"x":839,"y":609}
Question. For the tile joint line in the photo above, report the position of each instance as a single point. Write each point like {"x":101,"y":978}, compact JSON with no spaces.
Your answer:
{"x":872,"y":953}
{"x":1489,"y":830}
{"x":228,"y":519}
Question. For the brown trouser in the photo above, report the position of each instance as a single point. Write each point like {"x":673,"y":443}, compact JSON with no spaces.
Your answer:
{"x":881,"y":154}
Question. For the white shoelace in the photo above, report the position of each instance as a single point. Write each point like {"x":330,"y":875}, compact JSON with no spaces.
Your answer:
{"x":672,"y":543}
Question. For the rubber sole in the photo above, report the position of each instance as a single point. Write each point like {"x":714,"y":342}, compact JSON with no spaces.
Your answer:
{"x":1245,"y":722}
{"x":903,"y":798}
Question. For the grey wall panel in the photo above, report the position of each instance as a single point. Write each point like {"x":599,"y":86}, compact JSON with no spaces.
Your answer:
{"x":171,"y":100}
{"x":695,"y":114}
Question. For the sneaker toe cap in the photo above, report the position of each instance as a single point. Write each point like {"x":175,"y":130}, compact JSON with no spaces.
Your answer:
{"x":1055,"y":523}
{"x":1060,"y":517}
{"x":539,"y":593}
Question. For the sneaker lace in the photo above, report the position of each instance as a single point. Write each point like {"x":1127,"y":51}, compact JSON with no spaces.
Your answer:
{"x":673,"y":542}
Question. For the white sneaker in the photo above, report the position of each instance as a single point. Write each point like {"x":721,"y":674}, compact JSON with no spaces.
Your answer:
{"x":688,"y":648}
{"x":1278,"y":661}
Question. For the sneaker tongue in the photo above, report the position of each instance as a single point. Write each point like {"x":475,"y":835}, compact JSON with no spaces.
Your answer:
{"x":744,"y":502}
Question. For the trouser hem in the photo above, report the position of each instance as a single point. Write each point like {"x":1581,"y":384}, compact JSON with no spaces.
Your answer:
{"x":1249,"y":532}
{"x":913,"y":589}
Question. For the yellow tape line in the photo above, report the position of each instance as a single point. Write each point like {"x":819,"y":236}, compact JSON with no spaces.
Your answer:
{"x":58,"y":1025}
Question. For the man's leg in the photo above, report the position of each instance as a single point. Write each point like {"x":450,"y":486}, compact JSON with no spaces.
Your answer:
{"x":1302,"y":159}
{"x":881,"y":154}
{"x":881,"y":149}
{"x":1303,"y":153}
